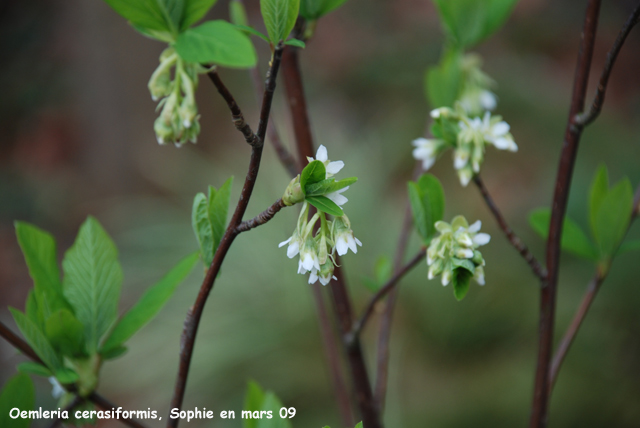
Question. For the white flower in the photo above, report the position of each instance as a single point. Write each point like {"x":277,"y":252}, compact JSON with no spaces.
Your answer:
{"x":294,"y":245}
{"x":496,"y":132}
{"x":343,"y":236}
{"x":488,"y":100}
{"x":427,"y":150}
{"x":332,"y":167}
{"x":58,"y":391}
{"x":337,"y":196}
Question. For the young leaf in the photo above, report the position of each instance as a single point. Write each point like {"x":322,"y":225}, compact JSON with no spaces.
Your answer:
{"x":467,"y":22}
{"x":202,"y":227}
{"x":173,"y":11}
{"x":217,"y":210}
{"x":599,"y":190}
{"x":65,"y":333}
{"x":629,"y":246}
{"x":295,"y":42}
{"x":194,"y":10}
{"x":359,"y":425}
{"x":427,"y":204}
{"x":314,"y":9}
{"x":251,"y":31}
{"x":216,"y":42}
{"x":273,"y":404}
{"x":313,"y":173}
{"x":18,"y":392}
{"x":34,"y":368}
{"x":144,"y":13}
{"x":113,"y":353}
{"x":460,"y":280}
{"x":36,"y":339}
{"x":39,"y":250}
{"x":92,"y":281}
{"x":238,"y":14}
{"x":66,"y":376}
{"x":574,"y":240}
{"x":279,"y":17}
{"x":252,"y":402}
{"x":325,"y":204}
{"x":328,"y":186}
{"x":444,"y":81}
{"x":613,"y":217}
{"x":149,"y":305}
{"x":32,"y":310}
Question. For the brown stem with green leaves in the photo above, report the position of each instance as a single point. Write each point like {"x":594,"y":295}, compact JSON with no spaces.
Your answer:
{"x":195,"y":312}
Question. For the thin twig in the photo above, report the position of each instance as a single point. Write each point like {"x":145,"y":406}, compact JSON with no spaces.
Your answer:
{"x":261,"y":218}
{"x":236,"y":114}
{"x":286,"y":158}
{"x":578,"y":318}
{"x":24,"y":347}
{"x":384,"y":290}
{"x":537,"y":268}
{"x":342,"y":303}
{"x":195,"y":312}
{"x":540,"y":406}
{"x":585,"y":119}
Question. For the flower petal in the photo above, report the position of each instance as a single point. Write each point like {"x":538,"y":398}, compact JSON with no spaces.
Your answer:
{"x":283,"y":243}
{"x":335,"y":167}
{"x":293,"y":249}
{"x":500,"y":129}
{"x":341,"y":246}
{"x":475,"y":227}
{"x":321,"y":154}
{"x":337,"y":197}
{"x":482,"y":239}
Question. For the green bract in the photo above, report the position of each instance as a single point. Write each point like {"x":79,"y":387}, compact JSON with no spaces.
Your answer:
{"x":70,"y":323}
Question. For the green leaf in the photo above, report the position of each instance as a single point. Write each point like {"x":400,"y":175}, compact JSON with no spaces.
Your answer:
{"x":173,"y":11}
{"x":36,"y":339}
{"x":20,"y":393}
{"x":325,"y":204}
{"x":467,"y":22}
{"x":39,"y":250}
{"x":149,"y":305}
{"x":328,"y":186}
{"x":359,"y":425}
{"x":65,"y":333}
{"x":34,"y":368}
{"x":251,"y":31}
{"x":382,"y":270}
{"x":113,"y":353}
{"x":599,"y":190}
{"x":238,"y":14}
{"x":574,"y":240}
{"x":271,"y":402}
{"x":314,"y":9}
{"x":253,"y":400}
{"x":427,"y":204}
{"x":279,"y":17}
{"x":295,"y":42}
{"x":144,"y":13}
{"x":66,"y":376}
{"x":313,"y":173}
{"x":443,"y":82}
{"x":460,"y":280}
{"x":202,"y":227}
{"x":216,"y":42}
{"x":92,"y":281}
{"x":613,"y":217}
{"x":217,"y":210}
{"x":194,"y":10}
{"x":629,"y":246}
{"x":32,"y":310}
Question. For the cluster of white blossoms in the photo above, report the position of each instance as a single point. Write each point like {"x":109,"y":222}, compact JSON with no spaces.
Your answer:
{"x":174,"y":82}
{"x":317,"y":246}
{"x":456,"y":248}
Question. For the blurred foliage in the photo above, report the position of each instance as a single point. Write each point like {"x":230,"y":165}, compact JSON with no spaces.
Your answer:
{"x":452,"y":364}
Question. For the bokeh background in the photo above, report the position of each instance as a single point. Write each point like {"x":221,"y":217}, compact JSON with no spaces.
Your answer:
{"x":76,"y":139}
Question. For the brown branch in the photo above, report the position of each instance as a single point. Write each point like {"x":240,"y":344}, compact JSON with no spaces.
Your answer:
{"x":195,"y":312}
{"x":578,"y":318}
{"x":261,"y":218}
{"x":540,"y":405}
{"x":286,"y":158}
{"x":236,"y":114}
{"x":24,"y":347}
{"x":585,"y":119}
{"x":342,"y":304}
{"x":384,"y":290}
{"x":517,"y":243}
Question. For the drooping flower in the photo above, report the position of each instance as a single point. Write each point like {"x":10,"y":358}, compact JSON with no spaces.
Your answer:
{"x":427,"y":150}
{"x":343,"y":236}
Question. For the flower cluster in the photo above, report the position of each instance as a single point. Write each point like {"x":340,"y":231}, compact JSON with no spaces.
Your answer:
{"x":179,"y":119}
{"x":467,"y":136}
{"x":476,"y":96}
{"x":317,"y":246}
{"x":456,"y":248}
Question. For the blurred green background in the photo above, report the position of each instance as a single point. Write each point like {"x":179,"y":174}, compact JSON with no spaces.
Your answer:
{"x":77,"y":138}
